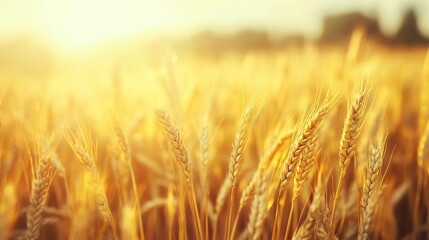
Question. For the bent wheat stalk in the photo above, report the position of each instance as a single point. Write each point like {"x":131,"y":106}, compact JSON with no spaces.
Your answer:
{"x":237,"y":156}
{"x":300,"y":144}
{"x":235,"y":162}
{"x":176,"y":144}
{"x":126,"y":157}
{"x":84,"y":151}
{"x":293,"y":157}
{"x":183,"y":161}
{"x":250,"y":189}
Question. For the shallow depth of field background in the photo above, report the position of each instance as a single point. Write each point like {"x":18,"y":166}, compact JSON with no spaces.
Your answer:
{"x":97,"y":75}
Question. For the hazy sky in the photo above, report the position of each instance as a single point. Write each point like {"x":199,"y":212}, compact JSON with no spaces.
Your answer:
{"x":82,"y":22}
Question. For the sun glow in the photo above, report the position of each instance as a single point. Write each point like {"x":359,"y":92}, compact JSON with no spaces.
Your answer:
{"x":79,"y":24}
{"x":101,"y":21}
{"x":76,"y":24}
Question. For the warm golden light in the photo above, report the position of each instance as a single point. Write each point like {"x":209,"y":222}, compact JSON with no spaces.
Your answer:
{"x":214,"y":119}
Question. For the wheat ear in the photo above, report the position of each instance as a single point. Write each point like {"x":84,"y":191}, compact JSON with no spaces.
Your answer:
{"x":370,"y":191}
{"x":83,"y":156}
{"x":38,"y":196}
{"x":300,"y":144}
{"x":183,"y":161}
{"x":322,"y":223}
{"x":176,"y":144}
{"x":122,"y":140}
{"x":240,"y":142}
{"x":304,"y":166}
{"x":348,"y":141}
{"x":351,"y":131}
{"x":235,"y":159}
{"x":204,"y":155}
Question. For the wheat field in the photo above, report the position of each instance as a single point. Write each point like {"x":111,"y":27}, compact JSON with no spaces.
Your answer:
{"x":304,"y":142}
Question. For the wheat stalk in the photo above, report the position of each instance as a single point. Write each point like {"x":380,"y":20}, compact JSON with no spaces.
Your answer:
{"x":237,"y":156}
{"x":82,"y":222}
{"x":204,"y":142}
{"x":258,"y":208}
{"x":292,"y":159}
{"x":204,"y":155}
{"x":184,"y":163}
{"x":422,"y":149}
{"x":222,"y":196}
{"x":249,"y":191}
{"x":8,"y":203}
{"x":126,"y":153}
{"x":128,"y":223}
{"x":307,"y":229}
{"x":236,"y":159}
{"x":84,"y":152}
{"x":87,"y":160}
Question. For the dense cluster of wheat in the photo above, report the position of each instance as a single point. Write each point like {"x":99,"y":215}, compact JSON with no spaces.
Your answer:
{"x":297,"y":143}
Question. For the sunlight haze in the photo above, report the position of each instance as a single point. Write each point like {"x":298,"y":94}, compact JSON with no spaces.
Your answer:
{"x":84,"y":23}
